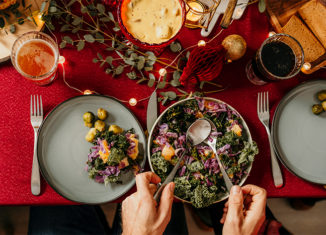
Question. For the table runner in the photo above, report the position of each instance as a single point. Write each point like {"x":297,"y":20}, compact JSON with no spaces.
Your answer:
{"x":16,"y":133}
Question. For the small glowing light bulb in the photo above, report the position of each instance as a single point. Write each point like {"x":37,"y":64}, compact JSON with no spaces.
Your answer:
{"x":229,"y":61}
{"x":306,"y":66}
{"x":201,"y":43}
{"x":271,"y":33}
{"x":40,"y":16}
{"x":132,"y":102}
{"x":88,"y":92}
{"x":162,"y":72}
{"x":61,"y":59}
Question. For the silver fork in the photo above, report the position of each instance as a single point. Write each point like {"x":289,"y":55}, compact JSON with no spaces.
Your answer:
{"x":36,"y":120}
{"x":263,"y":114}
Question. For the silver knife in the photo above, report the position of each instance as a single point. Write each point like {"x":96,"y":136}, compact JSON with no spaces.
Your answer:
{"x":151,"y":111}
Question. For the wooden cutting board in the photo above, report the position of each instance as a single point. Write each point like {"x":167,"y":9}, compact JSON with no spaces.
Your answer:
{"x":280,"y":11}
{"x":7,"y":39}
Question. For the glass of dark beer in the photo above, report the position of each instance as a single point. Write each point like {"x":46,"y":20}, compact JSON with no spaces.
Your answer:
{"x":280,"y":57}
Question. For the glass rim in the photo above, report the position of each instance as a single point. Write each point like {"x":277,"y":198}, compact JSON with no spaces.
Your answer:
{"x":262,"y":64}
{"x":209,"y":10}
{"x":56,"y":50}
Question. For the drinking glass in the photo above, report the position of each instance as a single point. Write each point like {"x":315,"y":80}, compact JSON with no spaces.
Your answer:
{"x":256,"y":70}
{"x":49,"y":76}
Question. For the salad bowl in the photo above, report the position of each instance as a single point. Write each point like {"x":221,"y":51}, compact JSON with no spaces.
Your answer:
{"x":245,"y":130}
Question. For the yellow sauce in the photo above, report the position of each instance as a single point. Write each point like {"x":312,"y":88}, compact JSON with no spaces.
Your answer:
{"x":153,"y":21}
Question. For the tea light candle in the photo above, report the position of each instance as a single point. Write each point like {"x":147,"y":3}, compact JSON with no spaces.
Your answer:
{"x":193,"y":15}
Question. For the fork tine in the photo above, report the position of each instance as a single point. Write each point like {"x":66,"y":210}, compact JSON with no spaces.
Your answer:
{"x":31,"y":105}
{"x":34,"y":106}
{"x":37,"y":106}
{"x":267,"y":100}
{"x":41,"y":105}
{"x":260,"y":102}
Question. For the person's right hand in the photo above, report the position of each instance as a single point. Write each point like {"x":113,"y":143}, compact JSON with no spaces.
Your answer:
{"x":244,"y":216}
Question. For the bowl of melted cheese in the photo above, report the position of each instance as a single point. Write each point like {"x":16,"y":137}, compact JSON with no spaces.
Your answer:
{"x":151,"y":23}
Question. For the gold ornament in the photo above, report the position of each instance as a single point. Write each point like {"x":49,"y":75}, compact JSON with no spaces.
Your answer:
{"x":235,"y":47}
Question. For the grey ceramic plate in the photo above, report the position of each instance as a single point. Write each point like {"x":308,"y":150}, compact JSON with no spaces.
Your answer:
{"x":150,"y":139}
{"x":299,"y":135}
{"x":62,"y":149}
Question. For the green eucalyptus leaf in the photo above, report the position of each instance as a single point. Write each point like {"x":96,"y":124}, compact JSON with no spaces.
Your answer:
{"x":75,"y":30}
{"x":77,"y":20}
{"x":95,"y":60}
{"x":175,"y":47}
{"x":164,"y":100}
{"x":119,"y":70}
{"x":151,"y":80}
{"x":42,"y":8}
{"x":171,"y":94}
{"x":107,"y":71}
{"x":99,"y":37}
{"x":101,"y":8}
{"x":103,"y":62}
{"x":261,"y":6}
{"x":105,"y":19}
{"x":176,"y":75}
{"x":129,"y":61}
{"x":63,"y":44}
{"x":161,"y":85}
{"x":109,"y":60}
{"x":116,"y":29}
{"x":89,"y":38}
{"x":53,"y":9}
{"x":80,"y":45}
{"x":65,"y":27}
{"x":175,"y":83}
{"x":132,"y":75}
{"x":111,"y":16}
{"x":99,"y":56}
{"x":83,"y":9}
{"x":68,"y":39}
{"x":159,"y":99}
{"x":163,"y":94}
{"x":151,"y":76}
{"x":151,"y":56}
{"x":109,"y":49}
{"x":134,"y":56}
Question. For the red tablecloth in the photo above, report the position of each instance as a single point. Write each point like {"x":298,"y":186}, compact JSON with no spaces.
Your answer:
{"x":16,"y":133}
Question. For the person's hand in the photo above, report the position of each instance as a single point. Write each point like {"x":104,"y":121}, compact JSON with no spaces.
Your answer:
{"x":244,"y":216}
{"x":140,"y":213}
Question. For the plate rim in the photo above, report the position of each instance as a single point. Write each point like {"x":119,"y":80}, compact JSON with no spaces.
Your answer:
{"x":38,"y":147}
{"x":184,"y":100}
{"x":283,"y":102}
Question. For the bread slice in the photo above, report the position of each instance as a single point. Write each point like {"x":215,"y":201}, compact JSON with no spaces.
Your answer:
{"x":314,"y":14}
{"x":311,"y":46}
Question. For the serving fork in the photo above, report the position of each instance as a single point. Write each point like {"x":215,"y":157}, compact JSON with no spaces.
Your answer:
{"x":36,"y":120}
{"x":263,"y":115}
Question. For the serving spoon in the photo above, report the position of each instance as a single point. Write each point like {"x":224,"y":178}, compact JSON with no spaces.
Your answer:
{"x":211,"y":142}
{"x":196,"y":134}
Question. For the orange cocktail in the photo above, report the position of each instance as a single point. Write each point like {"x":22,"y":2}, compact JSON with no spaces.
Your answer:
{"x":35,"y":56}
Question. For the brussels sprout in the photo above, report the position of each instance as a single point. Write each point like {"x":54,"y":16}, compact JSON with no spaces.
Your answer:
{"x":102,"y":113}
{"x":88,"y":117}
{"x":115,"y":129}
{"x":323,"y":104}
{"x":90,"y":135}
{"x":321,"y":95}
{"x":317,"y":109}
{"x":88,"y":124}
{"x":99,"y":125}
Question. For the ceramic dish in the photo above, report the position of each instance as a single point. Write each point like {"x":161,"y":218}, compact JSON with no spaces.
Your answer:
{"x":299,"y":135}
{"x":245,"y":128}
{"x":62,"y":149}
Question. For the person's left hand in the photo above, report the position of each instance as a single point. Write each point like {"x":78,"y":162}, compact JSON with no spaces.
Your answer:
{"x":140,"y":213}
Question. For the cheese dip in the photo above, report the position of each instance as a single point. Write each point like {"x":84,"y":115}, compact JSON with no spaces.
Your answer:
{"x":152,"y":21}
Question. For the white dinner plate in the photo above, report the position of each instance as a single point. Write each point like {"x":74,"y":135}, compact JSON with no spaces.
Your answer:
{"x":63,"y":151}
{"x":299,"y":136}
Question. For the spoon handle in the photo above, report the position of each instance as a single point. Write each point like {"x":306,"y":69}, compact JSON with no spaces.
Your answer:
{"x":168,"y":179}
{"x":226,"y":178}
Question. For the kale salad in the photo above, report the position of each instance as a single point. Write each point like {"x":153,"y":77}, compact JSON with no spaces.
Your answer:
{"x":114,"y":150}
{"x":199,"y":179}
